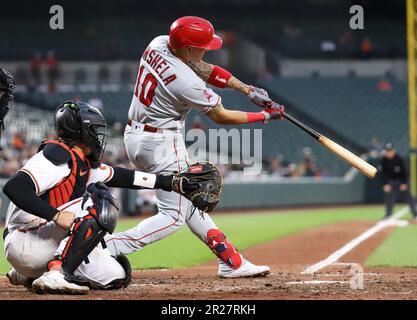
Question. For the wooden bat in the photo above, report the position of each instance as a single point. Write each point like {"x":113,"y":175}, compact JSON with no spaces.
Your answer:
{"x":350,"y":158}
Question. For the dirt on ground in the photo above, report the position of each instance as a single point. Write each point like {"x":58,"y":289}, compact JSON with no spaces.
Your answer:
{"x":287,"y":257}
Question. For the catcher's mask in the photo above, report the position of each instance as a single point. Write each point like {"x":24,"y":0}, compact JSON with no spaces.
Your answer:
{"x":81,"y":122}
{"x":7,"y":86}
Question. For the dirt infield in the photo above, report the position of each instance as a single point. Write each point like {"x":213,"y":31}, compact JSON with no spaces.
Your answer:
{"x":288,"y":257}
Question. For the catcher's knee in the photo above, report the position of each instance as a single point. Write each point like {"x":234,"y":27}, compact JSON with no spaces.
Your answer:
{"x":223,"y":249}
{"x":122,"y":276}
{"x":127,"y":279}
{"x":123,"y":279}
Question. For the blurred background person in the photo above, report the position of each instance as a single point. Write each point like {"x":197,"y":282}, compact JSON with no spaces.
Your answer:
{"x":395,"y":177}
{"x":35,"y":65}
{"x":53,"y":71}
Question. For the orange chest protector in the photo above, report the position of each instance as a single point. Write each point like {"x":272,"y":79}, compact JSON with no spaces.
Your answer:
{"x":72,"y":186}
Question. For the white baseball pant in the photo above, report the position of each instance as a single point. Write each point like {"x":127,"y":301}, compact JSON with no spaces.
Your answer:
{"x":30,"y":249}
{"x":158,"y":153}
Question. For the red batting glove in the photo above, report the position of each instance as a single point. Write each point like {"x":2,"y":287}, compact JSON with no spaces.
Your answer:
{"x":274,"y":113}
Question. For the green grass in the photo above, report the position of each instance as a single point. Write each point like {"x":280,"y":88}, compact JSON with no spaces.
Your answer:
{"x":183,"y":249}
{"x":398,"y":250}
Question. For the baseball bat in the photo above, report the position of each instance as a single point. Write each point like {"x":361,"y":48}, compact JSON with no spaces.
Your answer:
{"x":349,"y":157}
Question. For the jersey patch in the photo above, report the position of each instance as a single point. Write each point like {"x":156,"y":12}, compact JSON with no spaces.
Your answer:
{"x":208,"y":95}
{"x":56,"y":154}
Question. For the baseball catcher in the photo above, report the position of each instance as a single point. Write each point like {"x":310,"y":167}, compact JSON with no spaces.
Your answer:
{"x":61,"y":207}
{"x":7,"y":86}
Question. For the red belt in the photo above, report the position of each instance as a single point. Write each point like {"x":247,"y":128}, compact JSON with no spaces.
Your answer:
{"x":146,"y":127}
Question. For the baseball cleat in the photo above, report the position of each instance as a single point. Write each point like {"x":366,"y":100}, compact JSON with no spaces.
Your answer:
{"x":17,"y":279}
{"x":54,"y":282}
{"x":246,"y":270}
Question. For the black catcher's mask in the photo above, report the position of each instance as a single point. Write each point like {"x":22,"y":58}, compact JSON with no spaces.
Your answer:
{"x":7,"y":86}
{"x":81,"y":122}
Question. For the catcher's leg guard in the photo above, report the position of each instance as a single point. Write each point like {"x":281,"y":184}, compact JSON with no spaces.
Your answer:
{"x":223,"y":249}
{"x":86,"y":235}
{"x":88,"y":231}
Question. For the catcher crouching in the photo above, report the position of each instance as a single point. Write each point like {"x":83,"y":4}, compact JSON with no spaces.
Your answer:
{"x":61,"y":207}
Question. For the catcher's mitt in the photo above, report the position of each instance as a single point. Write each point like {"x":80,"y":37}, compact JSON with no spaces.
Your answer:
{"x":201,"y":183}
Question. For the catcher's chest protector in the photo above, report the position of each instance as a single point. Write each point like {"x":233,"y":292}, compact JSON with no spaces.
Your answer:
{"x":74,"y":185}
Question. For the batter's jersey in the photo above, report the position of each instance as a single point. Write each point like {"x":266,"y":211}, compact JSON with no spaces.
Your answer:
{"x":46,"y":175}
{"x":167,"y":89}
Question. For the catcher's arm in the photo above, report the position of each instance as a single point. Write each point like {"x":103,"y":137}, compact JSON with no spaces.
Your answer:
{"x":189,"y":184}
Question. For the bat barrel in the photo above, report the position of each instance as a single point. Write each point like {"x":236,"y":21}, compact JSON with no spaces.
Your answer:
{"x":350,"y":158}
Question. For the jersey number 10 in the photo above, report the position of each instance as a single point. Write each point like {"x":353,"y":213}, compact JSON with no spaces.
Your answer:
{"x":142,"y":85}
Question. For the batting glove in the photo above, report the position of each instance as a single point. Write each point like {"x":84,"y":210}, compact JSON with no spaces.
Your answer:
{"x":259,"y":97}
{"x":274,"y":113}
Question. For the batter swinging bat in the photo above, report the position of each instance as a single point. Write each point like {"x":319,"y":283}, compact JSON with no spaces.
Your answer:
{"x":352,"y":159}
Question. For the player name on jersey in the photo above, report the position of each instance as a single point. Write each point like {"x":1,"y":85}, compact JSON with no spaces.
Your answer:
{"x":159,"y":64}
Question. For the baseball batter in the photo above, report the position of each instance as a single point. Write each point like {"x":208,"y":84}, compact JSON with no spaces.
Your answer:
{"x":171,"y":81}
{"x":48,"y":200}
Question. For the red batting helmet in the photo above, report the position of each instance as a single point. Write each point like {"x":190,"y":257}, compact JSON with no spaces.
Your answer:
{"x":194,"y":32}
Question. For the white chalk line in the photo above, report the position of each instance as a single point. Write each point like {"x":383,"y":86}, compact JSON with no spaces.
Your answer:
{"x":335,"y":275}
{"x":323,"y":282}
{"x":292,"y":283}
{"x":334,"y":257}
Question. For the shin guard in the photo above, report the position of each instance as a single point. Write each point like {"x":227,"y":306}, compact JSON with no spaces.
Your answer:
{"x":223,"y":249}
{"x":89,"y":231}
{"x":86,"y":235}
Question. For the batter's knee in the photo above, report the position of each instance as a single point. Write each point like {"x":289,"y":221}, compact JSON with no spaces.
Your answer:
{"x":178,"y":217}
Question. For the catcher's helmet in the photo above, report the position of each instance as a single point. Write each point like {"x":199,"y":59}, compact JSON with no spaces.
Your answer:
{"x":194,"y":32}
{"x":81,"y":122}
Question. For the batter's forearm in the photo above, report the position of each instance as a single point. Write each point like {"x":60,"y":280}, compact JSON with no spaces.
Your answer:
{"x":233,"y":117}
{"x":221,"y":115}
{"x":236,"y":84}
{"x":212,"y":74}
